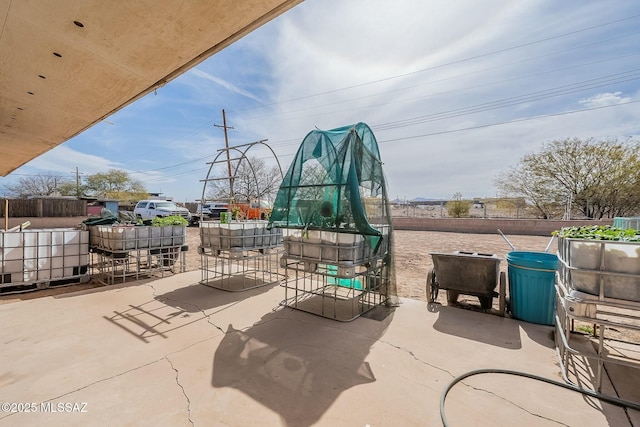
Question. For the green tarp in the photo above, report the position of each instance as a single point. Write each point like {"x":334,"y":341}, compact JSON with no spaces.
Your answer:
{"x":336,"y":183}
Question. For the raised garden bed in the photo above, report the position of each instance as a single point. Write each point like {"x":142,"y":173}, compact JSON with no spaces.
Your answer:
{"x":331,"y":247}
{"x":601,"y":260}
{"x":129,"y":237}
{"x":241,"y":235}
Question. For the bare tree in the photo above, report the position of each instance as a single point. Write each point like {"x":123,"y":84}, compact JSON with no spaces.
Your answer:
{"x":539,"y":193}
{"x":253,"y":179}
{"x":600,"y":178}
{"x":36,"y":186}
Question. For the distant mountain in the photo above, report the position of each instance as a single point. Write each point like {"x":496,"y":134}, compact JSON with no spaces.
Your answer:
{"x":417,"y":200}
{"x":423,"y":199}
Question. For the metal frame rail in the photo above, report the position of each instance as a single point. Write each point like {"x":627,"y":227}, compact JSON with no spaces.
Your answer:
{"x":333,"y":274}
{"x":598,"y":310}
{"x":112,"y":265}
{"x":335,"y":291}
{"x":237,"y":270}
{"x":239,"y":255}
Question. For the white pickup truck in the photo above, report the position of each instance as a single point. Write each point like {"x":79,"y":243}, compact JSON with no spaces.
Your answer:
{"x":150,"y":209}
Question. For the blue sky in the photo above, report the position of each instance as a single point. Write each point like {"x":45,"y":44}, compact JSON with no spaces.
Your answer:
{"x":455,"y":93}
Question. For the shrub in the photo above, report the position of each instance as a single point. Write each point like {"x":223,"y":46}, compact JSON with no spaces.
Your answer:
{"x":458,"y":208}
{"x":169,"y":220}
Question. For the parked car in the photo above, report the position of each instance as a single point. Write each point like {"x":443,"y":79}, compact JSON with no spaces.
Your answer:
{"x":212,"y":210}
{"x":150,"y":209}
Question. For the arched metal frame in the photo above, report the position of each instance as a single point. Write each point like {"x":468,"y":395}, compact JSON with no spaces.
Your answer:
{"x":243,"y":156}
{"x":250,"y":258}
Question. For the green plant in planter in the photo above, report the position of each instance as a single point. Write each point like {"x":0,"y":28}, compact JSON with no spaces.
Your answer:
{"x":599,"y":232}
{"x":169,"y":220}
{"x":586,"y":329}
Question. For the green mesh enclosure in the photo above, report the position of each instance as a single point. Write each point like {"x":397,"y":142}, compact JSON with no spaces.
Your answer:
{"x":336,"y":183}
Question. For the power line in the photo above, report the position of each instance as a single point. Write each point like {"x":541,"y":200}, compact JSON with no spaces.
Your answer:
{"x":508,"y":122}
{"x":177,"y":164}
{"x":579,"y":86}
{"x":447,"y":131}
{"x":515,"y":100}
{"x":501,"y":103}
{"x":165,"y":177}
{"x":483,"y":107}
{"x":459,"y":61}
{"x":333,"y":103}
{"x":447,"y":114}
{"x":461,"y":111}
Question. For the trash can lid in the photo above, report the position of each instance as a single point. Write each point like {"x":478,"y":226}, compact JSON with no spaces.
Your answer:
{"x":537,"y":260}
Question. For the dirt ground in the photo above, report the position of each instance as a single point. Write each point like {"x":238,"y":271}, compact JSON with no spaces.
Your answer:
{"x":413,"y":249}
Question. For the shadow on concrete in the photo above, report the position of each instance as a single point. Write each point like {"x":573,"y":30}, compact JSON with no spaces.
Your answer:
{"x":94,"y":286}
{"x":541,"y":334}
{"x":297,"y":364}
{"x":176,"y":309}
{"x":481,"y":327}
{"x":200,"y":297}
{"x":618,"y":380}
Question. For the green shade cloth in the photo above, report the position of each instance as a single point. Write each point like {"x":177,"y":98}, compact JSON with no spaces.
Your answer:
{"x":336,"y":183}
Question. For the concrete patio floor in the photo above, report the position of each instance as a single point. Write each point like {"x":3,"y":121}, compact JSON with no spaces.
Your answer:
{"x":171,"y":352}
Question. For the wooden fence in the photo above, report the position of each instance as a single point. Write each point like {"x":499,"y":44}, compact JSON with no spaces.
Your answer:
{"x":43,"y":207}
{"x":531,"y":227}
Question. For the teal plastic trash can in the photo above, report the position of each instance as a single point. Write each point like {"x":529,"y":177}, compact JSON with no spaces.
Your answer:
{"x":532,"y":277}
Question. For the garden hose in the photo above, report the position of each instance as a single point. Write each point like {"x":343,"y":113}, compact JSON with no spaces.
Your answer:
{"x":609,"y":399}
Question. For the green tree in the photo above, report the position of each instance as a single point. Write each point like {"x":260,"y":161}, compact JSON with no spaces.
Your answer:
{"x":69,"y":188}
{"x":596,"y":178}
{"x":115,"y":184}
{"x":458,"y":208}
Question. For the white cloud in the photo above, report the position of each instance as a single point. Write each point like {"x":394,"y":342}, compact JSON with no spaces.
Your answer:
{"x":64,"y":159}
{"x":225,"y":84}
{"x":605,"y":99}
{"x":451,"y":65}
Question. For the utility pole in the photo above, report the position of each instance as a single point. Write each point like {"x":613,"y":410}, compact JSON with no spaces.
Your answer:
{"x":226,"y":144}
{"x":77,"y":183}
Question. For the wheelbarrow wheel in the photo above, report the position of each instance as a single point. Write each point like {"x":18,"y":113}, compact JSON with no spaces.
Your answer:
{"x":432,"y":286}
{"x":486,"y":302}
{"x":452,"y":296}
{"x":501,"y":296}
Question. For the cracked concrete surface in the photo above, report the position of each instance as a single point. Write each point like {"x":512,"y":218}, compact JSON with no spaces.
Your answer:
{"x":182,"y":389}
{"x":172,"y":352}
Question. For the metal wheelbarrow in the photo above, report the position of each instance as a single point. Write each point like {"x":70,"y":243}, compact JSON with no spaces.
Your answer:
{"x":467,"y":273}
